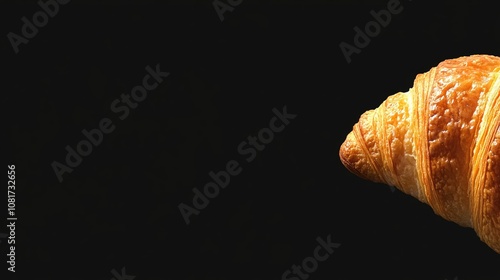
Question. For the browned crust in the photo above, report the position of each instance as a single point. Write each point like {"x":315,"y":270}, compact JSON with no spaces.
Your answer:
{"x":453,"y":118}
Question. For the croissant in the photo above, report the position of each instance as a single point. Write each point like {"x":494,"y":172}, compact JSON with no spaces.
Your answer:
{"x":439,"y":142}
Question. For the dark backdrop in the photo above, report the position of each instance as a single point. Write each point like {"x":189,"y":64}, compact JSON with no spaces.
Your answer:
{"x":116,"y":215}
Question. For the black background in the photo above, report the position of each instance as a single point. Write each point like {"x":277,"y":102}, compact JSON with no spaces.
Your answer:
{"x":119,"y":207}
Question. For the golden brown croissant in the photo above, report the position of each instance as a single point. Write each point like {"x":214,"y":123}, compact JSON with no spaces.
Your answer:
{"x":439,"y":142}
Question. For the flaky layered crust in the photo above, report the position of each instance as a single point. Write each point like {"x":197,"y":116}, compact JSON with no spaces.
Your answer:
{"x":439,"y":142}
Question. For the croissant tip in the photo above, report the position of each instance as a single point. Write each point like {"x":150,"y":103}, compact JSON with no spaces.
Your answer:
{"x":344,"y":151}
{"x":346,"y":162}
